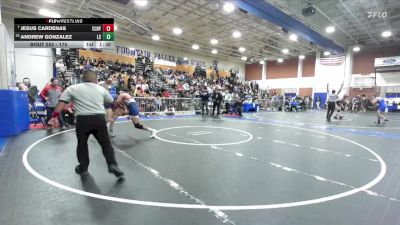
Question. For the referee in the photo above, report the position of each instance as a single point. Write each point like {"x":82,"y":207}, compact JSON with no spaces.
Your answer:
{"x":332,"y":98}
{"x":89,"y":99}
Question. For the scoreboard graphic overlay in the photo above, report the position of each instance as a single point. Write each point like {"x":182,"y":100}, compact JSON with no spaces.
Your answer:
{"x":64,"y":33}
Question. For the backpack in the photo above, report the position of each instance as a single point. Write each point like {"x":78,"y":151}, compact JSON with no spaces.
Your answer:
{"x":32,"y":94}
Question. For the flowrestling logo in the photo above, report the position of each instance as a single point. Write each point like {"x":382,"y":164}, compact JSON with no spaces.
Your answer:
{"x":377,"y":14}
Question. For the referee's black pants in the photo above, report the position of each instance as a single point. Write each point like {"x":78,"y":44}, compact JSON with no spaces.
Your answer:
{"x":331,"y":110}
{"x":96,"y":125}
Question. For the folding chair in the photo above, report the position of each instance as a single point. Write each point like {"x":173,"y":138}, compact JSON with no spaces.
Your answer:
{"x":38,"y":113}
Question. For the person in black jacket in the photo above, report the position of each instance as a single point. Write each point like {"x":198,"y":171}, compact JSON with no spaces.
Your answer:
{"x":217,"y":99}
{"x":204,"y":96}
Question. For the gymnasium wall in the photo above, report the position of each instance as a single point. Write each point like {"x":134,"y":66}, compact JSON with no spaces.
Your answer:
{"x":305,"y":91}
{"x":363,"y":65}
{"x":253,"y":71}
{"x":35,"y":63}
{"x":286,"y":69}
{"x":306,"y":76}
{"x":309,"y":67}
{"x":364,"y":60}
{"x":314,"y":75}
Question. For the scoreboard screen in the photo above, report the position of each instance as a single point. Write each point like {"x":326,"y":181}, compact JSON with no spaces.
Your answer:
{"x":64,"y":32}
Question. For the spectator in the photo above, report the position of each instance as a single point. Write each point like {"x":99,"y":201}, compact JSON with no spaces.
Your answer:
{"x":318,"y":102}
{"x":51,"y":93}
{"x":131,"y":82}
{"x":227,"y":99}
{"x":186,"y":89}
{"x":217,"y":100}
{"x":138,"y":92}
{"x":32,"y":90}
{"x":166,"y":94}
{"x":22,"y":87}
{"x":238,"y":103}
{"x":204,"y":98}
{"x":101,"y":62}
{"x":158,"y":102}
{"x":88,"y":65}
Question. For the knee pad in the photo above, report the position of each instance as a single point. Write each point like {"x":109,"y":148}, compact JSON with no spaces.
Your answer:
{"x":139,"y":126}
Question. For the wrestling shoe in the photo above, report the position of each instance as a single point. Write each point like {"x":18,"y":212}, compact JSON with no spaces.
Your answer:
{"x":80,"y":171}
{"x":115,"y":170}
{"x":153,"y":132}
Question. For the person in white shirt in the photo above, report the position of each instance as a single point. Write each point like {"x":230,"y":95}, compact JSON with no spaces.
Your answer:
{"x":227,"y":100}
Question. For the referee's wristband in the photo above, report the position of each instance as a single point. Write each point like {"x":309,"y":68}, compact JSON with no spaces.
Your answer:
{"x":55,"y":114}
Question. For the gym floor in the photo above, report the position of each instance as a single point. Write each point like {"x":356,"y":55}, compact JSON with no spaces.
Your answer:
{"x":265,"y":168}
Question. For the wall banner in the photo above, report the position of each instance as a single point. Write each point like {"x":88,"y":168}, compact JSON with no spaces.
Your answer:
{"x":159,"y":56}
{"x":387,"y":61}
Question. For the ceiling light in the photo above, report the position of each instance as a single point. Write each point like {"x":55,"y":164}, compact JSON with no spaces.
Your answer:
{"x":214,"y":41}
{"x":140,"y":2}
{"x":185,"y":58}
{"x":285,"y":51}
{"x":302,"y":57}
{"x":280,"y":60}
{"x":115,"y":27}
{"x":356,"y":49}
{"x":244,"y":58}
{"x":177,"y":31}
{"x":229,"y":7}
{"x":262,"y":62}
{"x":242,"y":49}
{"x":293,"y":37}
{"x":155,"y":37}
{"x":330,"y":29}
{"x":386,"y":34}
{"x":50,"y":1}
{"x":326,"y":53}
{"x":236,"y":34}
{"x":195,"y":46}
{"x":48,"y":13}
{"x":214,"y":51}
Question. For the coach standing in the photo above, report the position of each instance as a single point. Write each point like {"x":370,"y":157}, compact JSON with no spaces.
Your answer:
{"x":89,"y":99}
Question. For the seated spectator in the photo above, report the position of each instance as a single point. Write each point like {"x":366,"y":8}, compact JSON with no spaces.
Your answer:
{"x":131,"y":82}
{"x":138,"y":92}
{"x":101,"y":62}
{"x":31,"y":89}
{"x":21,"y":86}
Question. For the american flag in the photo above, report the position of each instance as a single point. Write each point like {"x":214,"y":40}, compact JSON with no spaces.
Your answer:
{"x":332,"y":60}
